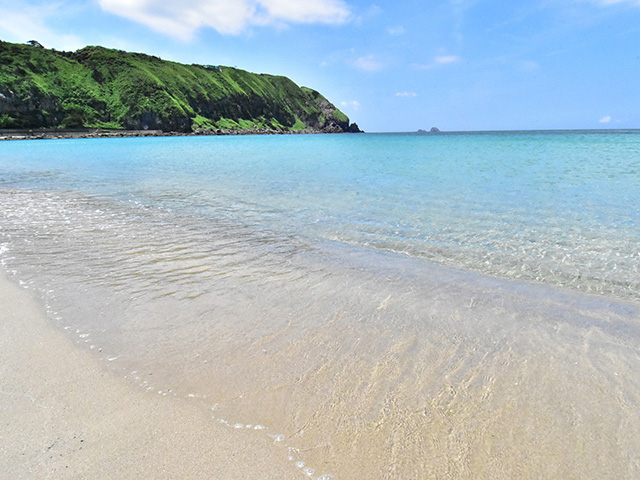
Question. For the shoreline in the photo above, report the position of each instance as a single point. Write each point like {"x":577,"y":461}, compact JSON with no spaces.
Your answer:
{"x":64,"y":415}
{"x":7,"y":135}
{"x":230,"y":281}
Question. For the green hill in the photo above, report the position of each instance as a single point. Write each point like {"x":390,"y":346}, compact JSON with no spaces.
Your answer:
{"x":96,"y":87}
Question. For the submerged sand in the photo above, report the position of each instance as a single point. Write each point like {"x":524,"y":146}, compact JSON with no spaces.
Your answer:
{"x":62,"y":415}
{"x":531,"y":397}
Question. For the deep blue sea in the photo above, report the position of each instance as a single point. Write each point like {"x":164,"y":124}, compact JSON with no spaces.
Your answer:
{"x":435,"y":305}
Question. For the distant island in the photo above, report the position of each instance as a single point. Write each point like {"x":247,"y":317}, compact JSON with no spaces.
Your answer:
{"x":108,"y":90}
{"x":433,"y":130}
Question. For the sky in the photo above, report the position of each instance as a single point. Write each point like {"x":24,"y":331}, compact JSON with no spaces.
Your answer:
{"x":389,"y":65}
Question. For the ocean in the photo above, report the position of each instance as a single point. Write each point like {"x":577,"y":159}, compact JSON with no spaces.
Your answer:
{"x":377,"y":305}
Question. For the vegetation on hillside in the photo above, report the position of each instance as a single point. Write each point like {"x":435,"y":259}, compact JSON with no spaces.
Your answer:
{"x":105,"y":88}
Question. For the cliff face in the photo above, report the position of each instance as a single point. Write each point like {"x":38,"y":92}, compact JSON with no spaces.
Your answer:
{"x":103,"y":88}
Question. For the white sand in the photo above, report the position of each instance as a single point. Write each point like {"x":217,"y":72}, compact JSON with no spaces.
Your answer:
{"x":63,"y":415}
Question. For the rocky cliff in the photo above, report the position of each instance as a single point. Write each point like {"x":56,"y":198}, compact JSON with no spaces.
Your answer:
{"x":97,"y":87}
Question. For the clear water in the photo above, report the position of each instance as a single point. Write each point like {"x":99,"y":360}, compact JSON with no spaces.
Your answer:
{"x":450,"y":306}
{"x":559,"y":208}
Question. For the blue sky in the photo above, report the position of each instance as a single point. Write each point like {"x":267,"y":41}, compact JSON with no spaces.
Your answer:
{"x":390,"y":65}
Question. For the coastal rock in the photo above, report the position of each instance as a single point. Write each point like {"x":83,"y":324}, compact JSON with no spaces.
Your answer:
{"x":96,"y":87}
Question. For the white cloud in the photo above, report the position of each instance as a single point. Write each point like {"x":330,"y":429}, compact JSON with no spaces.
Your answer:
{"x":353,"y":104}
{"x":445,"y":59}
{"x":615,"y":2}
{"x":438,"y":61}
{"x":370,"y":13}
{"x":406,"y":94}
{"x":398,"y":30}
{"x":29,"y":22}
{"x":181,"y":20}
{"x":306,"y":11}
{"x":368,"y":63}
{"x":605,"y":119}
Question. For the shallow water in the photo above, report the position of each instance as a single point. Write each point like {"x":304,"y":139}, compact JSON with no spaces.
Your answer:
{"x":386,"y":306}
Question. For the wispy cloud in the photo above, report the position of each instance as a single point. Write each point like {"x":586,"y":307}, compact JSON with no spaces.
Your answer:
{"x":352,"y":104}
{"x":446,"y":59}
{"x":437,"y":61}
{"x":397,"y":30}
{"x":606,"y":3}
{"x":406,"y":94}
{"x":182,"y":20}
{"x":368,"y":63}
{"x":605,"y":119}
{"x":368,"y":14}
{"x":32,"y":21}
{"x":303,"y":11}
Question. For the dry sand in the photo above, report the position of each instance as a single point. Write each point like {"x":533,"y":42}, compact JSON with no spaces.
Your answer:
{"x":63,"y":415}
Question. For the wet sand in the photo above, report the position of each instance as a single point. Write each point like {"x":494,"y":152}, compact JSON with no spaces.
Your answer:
{"x":63,"y":415}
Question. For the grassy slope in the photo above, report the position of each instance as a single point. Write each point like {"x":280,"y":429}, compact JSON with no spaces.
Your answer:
{"x":99,"y":87}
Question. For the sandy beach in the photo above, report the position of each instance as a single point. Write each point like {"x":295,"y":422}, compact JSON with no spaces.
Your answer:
{"x":386,"y":306}
{"x":64,"y":416}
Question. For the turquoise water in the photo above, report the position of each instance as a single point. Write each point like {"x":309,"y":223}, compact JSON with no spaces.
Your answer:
{"x":379,"y":305}
{"x":558,"y":208}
